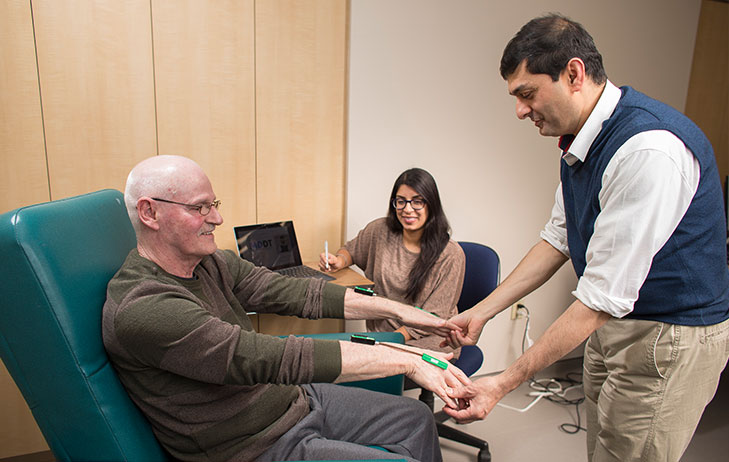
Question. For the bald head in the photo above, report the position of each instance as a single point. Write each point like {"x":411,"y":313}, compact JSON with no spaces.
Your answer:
{"x":169,"y":177}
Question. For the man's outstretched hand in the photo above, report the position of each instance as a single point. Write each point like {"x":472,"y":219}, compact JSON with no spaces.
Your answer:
{"x":475,"y":401}
{"x":469,"y":326}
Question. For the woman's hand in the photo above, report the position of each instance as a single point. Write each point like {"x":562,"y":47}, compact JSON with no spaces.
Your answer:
{"x":336,"y":262}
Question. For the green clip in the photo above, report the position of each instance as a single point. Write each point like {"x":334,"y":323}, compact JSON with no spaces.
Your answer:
{"x":429,"y":312}
{"x":362,"y":339}
{"x":435,"y":361}
{"x":364,"y":291}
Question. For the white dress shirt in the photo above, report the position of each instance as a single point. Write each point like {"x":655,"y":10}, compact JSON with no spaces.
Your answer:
{"x":646,"y":189}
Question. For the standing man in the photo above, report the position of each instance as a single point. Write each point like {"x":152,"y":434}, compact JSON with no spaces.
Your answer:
{"x":639,"y":212}
{"x":176,"y":330}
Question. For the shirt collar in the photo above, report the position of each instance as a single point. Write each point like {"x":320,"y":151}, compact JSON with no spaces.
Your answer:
{"x":587,"y":134}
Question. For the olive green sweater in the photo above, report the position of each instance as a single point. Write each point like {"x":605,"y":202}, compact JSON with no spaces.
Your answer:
{"x":188,"y":355}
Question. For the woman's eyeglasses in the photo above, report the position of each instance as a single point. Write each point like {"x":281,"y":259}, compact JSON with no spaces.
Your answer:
{"x":400,"y":203}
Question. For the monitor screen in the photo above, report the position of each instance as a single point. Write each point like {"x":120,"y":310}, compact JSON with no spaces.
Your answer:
{"x":272,"y":245}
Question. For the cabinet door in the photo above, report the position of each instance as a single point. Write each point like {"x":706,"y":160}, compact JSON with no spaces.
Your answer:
{"x":23,"y":181}
{"x":300,"y":101}
{"x":204,"y":74}
{"x":23,"y":177}
{"x":97,"y":91}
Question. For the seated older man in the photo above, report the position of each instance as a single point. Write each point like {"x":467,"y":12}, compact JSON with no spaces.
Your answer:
{"x":176,"y":329}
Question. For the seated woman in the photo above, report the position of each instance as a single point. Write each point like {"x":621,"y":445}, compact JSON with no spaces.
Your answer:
{"x":409,"y":256}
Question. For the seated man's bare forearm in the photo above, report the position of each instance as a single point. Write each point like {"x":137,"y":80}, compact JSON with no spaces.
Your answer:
{"x":364,"y":362}
{"x":358,"y":306}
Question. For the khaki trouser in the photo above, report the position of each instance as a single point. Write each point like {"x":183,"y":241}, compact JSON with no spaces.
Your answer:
{"x":647,"y":384}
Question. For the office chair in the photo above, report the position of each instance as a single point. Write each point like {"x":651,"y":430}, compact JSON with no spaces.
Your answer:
{"x":56,"y":260}
{"x":481,"y":278}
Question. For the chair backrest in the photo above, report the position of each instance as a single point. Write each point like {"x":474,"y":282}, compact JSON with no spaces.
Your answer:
{"x":482,"y":274}
{"x":481,"y":278}
{"x":56,"y":260}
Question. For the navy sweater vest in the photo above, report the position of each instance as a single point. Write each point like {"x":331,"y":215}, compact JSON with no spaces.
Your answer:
{"x":688,"y":282}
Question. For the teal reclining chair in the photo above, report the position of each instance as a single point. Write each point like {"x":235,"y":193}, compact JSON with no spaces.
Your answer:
{"x":56,"y":260}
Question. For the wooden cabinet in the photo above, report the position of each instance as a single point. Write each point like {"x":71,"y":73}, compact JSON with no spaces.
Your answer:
{"x":24,"y":174}
{"x":204,"y":57}
{"x":253,"y":90}
{"x":97,"y":91}
{"x":300,"y":94}
{"x":300,"y":101}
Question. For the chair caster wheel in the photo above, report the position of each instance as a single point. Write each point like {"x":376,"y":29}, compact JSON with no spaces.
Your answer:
{"x":484,"y":455}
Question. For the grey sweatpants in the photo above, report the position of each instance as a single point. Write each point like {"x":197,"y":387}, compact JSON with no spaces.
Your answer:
{"x":345,"y":421}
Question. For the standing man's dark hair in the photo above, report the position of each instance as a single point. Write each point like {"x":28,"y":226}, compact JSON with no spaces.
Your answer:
{"x":547,"y":43}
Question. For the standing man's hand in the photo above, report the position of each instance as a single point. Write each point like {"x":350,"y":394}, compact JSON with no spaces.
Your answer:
{"x":421,"y":319}
{"x":539,"y":264}
{"x":564,"y":335}
{"x":470,"y":324}
{"x":475,"y":401}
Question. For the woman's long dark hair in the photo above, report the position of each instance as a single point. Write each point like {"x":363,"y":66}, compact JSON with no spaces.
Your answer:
{"x":436,"y":231}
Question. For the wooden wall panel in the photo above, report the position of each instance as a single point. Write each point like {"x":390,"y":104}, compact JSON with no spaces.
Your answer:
{"x":301,"y":51}
{"x":97,"y":88}
{"x":707,"y":102}
{"x":300,"y":104}
{"x":23,"y":181}
{"x":95,"y":81}
{"x":204,"y":73}
{"x":19,"y":434}
{"x":23,"y":178}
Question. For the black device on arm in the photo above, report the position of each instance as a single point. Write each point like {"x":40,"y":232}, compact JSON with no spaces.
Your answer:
{"x":364,"y":291}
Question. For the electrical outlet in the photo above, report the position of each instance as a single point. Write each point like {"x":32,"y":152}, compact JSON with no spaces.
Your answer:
{"x":515,"y":311}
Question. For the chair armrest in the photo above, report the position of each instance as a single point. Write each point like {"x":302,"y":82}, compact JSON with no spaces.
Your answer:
{"x":393,"y":384}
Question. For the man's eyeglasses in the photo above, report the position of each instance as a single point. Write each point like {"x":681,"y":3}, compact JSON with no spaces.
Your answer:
{"x":203,"y":209}
{"x":400,"y":203}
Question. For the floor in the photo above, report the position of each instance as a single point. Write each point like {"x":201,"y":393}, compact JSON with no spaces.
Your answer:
{"x":535,"y":434}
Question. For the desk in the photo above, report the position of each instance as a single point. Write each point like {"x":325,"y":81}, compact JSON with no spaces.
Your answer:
{"x":345,"y":277}
{"x":273,"y":324}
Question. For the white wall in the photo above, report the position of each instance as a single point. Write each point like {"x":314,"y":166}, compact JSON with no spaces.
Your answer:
{"x":425,"y":91}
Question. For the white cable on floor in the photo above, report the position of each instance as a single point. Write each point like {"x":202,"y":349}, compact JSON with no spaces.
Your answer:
{"x":529,"y":406}
{"x":552,"y":386}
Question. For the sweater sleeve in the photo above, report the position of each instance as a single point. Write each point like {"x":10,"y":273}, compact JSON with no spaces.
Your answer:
{"x":261,"y":290}
{"x":172,"y":332}
{"x":197,"y":330}
{"x":363,"y":247}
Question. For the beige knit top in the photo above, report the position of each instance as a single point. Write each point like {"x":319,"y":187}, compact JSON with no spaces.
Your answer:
{"x":382,"y":256}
